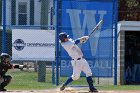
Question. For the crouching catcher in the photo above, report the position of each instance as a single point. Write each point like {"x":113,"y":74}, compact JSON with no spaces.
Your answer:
{"x":5,"y":65}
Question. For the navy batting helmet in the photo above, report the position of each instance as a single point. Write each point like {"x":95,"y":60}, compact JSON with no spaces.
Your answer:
{"x":62,"y":36}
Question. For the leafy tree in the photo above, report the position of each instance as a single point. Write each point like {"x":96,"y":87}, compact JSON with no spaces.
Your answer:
{"x":129,"y":10}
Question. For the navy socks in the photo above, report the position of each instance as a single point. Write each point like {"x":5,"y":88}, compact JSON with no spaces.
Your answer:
{"x":69,"y":80}
{"x":90,"y":82}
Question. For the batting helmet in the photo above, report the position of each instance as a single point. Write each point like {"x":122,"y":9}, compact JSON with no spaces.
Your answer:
{"x":4,"y":56}
{"x":62,"y":36}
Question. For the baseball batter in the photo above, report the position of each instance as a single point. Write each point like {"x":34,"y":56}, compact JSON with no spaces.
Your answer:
{"x":78,"y":61}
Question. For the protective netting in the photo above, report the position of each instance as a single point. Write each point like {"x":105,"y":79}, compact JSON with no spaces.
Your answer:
{"x":30,"y":23}
{"x":78,"y":18}
{"x":30,"y":28}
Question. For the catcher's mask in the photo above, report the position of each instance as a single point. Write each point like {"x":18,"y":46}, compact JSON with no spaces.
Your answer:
{"x":62,"y":36}
{"x":5,"y":58}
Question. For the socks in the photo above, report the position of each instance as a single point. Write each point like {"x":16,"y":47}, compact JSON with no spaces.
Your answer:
{"x":90,"y":82}
{"x":69,"y":80}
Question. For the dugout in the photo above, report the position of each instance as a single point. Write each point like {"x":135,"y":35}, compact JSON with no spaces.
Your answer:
{"x":129,"y":52}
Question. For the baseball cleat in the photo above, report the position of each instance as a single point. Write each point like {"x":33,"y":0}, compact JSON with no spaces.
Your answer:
{"x":62,"y":88}
{"x":93,"y":90}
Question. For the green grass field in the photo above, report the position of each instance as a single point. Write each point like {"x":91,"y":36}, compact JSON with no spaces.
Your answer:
{"x":28,"y":80}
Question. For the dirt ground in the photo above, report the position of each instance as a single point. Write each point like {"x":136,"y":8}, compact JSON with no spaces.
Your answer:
{"x":82,"y":91}
{"x":71,"y":90}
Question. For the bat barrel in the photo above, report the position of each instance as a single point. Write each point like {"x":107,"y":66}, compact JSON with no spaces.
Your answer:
{"x":96,"y":27}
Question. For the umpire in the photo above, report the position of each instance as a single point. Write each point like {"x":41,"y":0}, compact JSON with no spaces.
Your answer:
{"x":5,"y":65}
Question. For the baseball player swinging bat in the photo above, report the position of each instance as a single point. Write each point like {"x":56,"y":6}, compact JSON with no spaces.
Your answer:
{"x":78,"y":62}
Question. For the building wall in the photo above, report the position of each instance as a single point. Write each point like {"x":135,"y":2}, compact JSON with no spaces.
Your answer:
{"x":8,"y":12}
{"x":124,"y":26}
{"x":121,"y":58}
{"x":37,"y":12}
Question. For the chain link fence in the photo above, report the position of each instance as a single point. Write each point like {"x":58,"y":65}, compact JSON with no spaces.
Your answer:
{"x":25,"y":16}
{"x":78,"y":18}
{"x":74,"y":17}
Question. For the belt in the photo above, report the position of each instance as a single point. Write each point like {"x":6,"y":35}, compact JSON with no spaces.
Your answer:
{"x":79,"y":58}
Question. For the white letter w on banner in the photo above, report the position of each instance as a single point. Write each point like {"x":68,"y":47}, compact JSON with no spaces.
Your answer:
{"x":89,"y":21}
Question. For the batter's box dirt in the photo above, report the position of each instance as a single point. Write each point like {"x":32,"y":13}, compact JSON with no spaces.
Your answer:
{"x":71,"y":90}
{"x":76,"y":91}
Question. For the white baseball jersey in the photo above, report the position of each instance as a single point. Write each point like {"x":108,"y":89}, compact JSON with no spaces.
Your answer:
{"x":72,"y":49}
{"x":78,"y":64}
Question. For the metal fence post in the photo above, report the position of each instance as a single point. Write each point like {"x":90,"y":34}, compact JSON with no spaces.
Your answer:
{"x":4,"y":27}
{"x":41,"y":71}
{"x":53,"y":73}
{"x":115,"y":40}
{"x":57,"y":41}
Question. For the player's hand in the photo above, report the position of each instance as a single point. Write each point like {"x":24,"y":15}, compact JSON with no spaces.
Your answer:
{"x":84,"y":39}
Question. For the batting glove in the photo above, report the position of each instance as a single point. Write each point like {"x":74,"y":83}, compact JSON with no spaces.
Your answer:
{"x":84,"y":39}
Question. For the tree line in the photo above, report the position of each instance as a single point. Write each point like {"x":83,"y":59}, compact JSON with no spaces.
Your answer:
{"x":129,"y":10}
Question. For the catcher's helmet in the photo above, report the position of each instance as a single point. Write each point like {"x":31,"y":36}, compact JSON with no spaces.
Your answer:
{"x":4,"y":56}
{"x":62,"y":36}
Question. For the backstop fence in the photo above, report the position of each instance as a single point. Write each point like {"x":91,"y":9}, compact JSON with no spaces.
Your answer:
{"x":30,"y":28}
{"x":77,"y":18}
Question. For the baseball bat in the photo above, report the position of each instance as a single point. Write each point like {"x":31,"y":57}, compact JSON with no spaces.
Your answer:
{"x":96,"y":27}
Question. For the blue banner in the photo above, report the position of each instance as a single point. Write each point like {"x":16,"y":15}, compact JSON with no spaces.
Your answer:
{"x":79,"y":17}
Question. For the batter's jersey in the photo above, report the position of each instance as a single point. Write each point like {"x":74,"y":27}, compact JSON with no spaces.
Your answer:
{"x":72,"y":49}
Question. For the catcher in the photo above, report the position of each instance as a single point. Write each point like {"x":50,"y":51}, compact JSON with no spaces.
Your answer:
{"x":5,"y":65}
{"x":78,"y":62}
